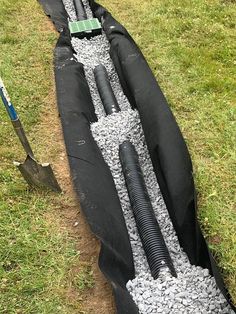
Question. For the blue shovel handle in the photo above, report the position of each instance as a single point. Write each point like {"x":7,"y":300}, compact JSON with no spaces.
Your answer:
{"x":15,"y":119}
{"x":7,"y":102}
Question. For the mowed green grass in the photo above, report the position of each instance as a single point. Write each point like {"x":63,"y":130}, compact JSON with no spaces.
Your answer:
{"x":36,"y":253}
{"x":191,"y":48}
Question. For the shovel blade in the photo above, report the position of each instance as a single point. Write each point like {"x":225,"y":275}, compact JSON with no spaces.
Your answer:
{"x":38,"y":175}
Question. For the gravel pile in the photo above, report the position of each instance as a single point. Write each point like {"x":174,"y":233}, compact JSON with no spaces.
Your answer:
{"x":194,"y":290}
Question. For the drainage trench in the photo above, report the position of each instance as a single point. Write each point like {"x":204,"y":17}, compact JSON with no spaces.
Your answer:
{"x":194,"y":290}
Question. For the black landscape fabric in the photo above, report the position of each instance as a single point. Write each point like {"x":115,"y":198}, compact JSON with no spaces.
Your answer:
{"x":91,"y":176}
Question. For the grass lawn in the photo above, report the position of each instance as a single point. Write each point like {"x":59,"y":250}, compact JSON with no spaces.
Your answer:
{"x":37,"y":254}
{"x":191,"y":48}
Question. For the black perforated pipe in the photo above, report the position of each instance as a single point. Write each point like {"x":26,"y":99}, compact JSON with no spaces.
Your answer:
{"x":150,"y":233}
{"x":80,"y":11}
{"x":105,"y":90}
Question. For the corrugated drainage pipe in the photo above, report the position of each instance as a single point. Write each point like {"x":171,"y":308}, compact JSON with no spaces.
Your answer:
{"x":150,"y":233}
{"x":80,"y":11}
{"x":105,"y":90}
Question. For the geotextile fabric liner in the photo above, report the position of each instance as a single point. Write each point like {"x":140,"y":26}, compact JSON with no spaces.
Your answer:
{"x":90,"y":174}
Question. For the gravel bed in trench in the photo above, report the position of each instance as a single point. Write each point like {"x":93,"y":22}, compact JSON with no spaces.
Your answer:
{"x":194,"y":290}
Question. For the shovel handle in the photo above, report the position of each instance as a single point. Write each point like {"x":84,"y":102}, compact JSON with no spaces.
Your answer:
{"x":22,"y":137}
{"x":7,"y":102}
{"x":15,"y":120}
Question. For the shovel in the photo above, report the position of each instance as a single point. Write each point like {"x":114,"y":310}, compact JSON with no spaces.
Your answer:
{"x":36,"y":175}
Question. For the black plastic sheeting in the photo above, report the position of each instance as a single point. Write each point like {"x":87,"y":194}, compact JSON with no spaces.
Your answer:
{"x":90,"y":174}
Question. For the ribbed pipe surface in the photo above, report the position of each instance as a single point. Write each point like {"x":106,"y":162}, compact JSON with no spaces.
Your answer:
{"x":80,"y":11}
{"x":105,"y":90}
{"x":150,"y":233}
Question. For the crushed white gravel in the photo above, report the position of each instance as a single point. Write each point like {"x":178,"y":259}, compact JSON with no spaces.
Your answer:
{"x":194,"y":290}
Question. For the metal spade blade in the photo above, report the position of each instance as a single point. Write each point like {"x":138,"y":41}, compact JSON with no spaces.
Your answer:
{"x":38,"y":175}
